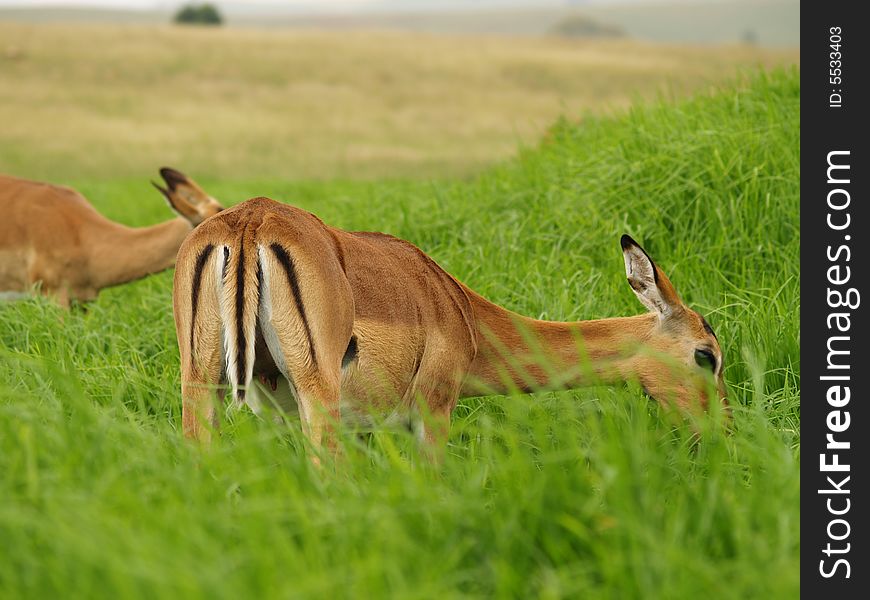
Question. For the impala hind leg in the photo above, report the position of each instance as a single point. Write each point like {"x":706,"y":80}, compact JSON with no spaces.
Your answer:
{"x":306,"y":318}
{"x":201,"y":393}
{"x":198,"y":327}
{"x":202,"y":382}
{"x":317,"y":389}
{"x":321,"y":416}
{"x":314,"y":375}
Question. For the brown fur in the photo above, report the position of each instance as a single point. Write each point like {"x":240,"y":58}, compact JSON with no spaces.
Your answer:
{"x":422,"y":338}
{"x":50,"y":235}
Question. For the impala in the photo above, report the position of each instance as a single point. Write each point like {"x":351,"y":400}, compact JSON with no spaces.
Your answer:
{"x":52,"y":237}
{"x":351,"y":324}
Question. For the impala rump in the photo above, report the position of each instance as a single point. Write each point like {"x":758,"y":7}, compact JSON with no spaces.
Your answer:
{"x":251,"y":347}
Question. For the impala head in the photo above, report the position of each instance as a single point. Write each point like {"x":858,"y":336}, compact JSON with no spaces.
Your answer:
{"x":684,"y":361}
{"x":186,"y":198}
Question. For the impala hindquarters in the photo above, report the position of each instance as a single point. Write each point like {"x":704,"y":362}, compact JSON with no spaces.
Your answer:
{"x":347,"y":324}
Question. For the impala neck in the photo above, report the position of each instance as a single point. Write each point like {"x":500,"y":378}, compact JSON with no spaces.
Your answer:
{"x":125,"y":254}
{"x":516,"y":353}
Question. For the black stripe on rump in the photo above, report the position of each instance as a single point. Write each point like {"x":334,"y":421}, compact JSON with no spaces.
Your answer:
{"x":241,"y":343}
{"x":194,"y":294}
{"x":293,"y":280}
{"x":226,"y":264}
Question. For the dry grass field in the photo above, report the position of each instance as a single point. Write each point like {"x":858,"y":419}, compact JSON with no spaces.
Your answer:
{"x":79,"y":102}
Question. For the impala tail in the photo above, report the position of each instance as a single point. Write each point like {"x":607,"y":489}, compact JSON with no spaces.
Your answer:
{"x":240,"y":279}
{"x":261,"y":305}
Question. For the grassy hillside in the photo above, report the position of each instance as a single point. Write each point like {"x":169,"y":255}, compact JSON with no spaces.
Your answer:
{"x":293,"y":105}
{"x":577,"y":494}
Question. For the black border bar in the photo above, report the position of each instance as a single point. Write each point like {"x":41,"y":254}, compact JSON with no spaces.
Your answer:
{"x":835,"y":420}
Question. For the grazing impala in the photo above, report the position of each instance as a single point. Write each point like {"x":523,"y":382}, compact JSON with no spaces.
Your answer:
{"x":350,"y":324}
{"x":51,"y":235}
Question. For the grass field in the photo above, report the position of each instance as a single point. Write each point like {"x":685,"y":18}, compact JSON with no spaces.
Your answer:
{"x":95,"y":102}
{"x":583,"y":494}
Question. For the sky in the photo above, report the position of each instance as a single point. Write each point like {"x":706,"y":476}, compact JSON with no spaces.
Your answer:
{"x":323,"y":4}
{"x":161,"y":3}
{"x":151,"y":4}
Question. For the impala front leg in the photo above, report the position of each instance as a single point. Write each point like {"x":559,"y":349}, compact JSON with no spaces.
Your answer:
{"x":436,"y":388}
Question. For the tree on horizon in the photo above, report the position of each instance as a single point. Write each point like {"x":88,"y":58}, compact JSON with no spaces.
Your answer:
{"x":198,"y":14}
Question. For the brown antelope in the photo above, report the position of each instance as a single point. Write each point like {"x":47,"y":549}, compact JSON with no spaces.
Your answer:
{"x":350,"y":324}
{"x":53,"y":237}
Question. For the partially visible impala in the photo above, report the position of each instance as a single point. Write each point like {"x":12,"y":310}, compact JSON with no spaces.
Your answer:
{"x":50,"y":235}
{"x":351,"y":324}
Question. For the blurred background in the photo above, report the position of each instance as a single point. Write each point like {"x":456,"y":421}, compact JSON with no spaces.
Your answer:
{"x":348,"y":89}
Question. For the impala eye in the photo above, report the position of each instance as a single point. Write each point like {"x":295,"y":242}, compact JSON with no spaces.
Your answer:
{"x":705,"y":359}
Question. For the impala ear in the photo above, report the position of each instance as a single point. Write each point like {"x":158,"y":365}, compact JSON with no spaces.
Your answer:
{"x":185,"y":197}
{"x":649,"y":283}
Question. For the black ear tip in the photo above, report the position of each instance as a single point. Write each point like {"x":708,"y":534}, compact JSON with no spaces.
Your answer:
{"x":627,"y":242}
{"x":172,"y":176}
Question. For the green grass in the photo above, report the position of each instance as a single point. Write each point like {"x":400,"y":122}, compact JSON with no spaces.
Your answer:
{"x":584,"y":494}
